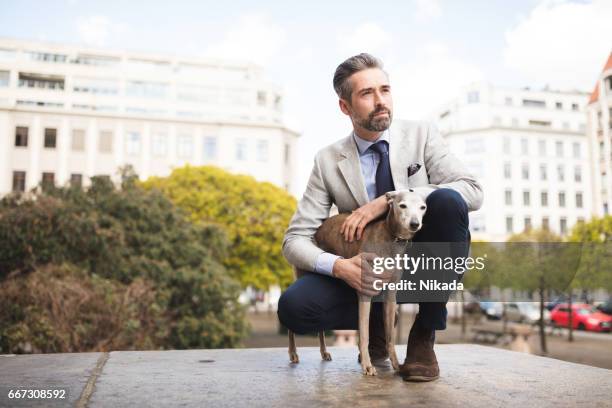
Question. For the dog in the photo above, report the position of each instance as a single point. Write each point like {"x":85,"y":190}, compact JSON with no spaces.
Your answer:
{"x":390,"y":236}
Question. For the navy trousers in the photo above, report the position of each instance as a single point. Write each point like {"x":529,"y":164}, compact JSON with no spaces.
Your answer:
{"x":318,"y":302}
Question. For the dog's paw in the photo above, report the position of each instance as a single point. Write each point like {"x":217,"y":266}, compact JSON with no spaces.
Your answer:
{"x":326,"y":356}
{"x":369,"y":370}
{"x":293,"y":357}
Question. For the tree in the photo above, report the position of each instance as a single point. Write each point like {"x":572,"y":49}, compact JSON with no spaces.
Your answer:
{"x":254,"y":215}
{"x":130,"y":266}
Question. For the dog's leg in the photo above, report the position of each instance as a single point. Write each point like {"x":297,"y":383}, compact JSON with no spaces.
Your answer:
{"x":389,"y":313}
{"x":324,"y":354}
{"x":364,"y":335}
{"x":293,"y":356}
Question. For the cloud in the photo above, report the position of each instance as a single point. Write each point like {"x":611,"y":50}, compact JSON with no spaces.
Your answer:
{"x":255,"y":38}
{"x":97,"y":30}
{"x":366,"y":37}
{"x":427,"y":10}
{"x":561,"y":43}
{"x":430,"y":79}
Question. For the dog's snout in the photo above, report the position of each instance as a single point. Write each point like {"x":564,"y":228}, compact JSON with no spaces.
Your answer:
{"x":414,"y":224}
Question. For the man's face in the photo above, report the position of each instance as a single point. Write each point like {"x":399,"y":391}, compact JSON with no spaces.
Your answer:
{"x":371,"y":104}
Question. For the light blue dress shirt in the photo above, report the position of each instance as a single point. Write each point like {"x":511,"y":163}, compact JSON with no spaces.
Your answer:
{"x":369,"y":163}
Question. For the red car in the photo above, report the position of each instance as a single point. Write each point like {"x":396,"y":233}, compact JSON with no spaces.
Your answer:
{"x":584,"y":317}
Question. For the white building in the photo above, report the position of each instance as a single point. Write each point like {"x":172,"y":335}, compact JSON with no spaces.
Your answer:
{"x":530,"y":151}
{"x":599,"y":112}
{"x":70,"y":112}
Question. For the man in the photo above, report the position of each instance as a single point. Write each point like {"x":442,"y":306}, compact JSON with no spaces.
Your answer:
{"x":354,"y":173}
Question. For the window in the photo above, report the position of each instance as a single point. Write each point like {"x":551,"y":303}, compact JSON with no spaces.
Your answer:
{"x":561,"y":199}
{"x":210,"y":148}
{"x":132,"y":143}
{"x":50,"y":138}
{"x":542,"y":147}
{"x":534,"y":103}
{"x":473,"y":97}
{"x":21,"y":136}
{"x":48,"y":179}
{"x":105,"y":142}
{"x":566,"y":125}
{"x":544,"y":198}
{"x":543,"y":172}
{"x":159,"y":146}
{"x":508,"y":101}
{"x":576,"y":150}
{"x":185,"y":145}
{"x":508,"y":197}
{"x":524,"y":146}
{"x":560,"y":172}
{"x":41,"y":81}
{"x":5,"y":78}
{"x":558,"y":105}
{"x":527,"y":223}
{"x":577,"y":174}
{"x":19,"y":178}
{"x":507,"y":145}
{"x":540,"y":123}
{"x":559,"y":149}
{"x":563,"y":225}
{"x":578,"y":200}
{"x":515,"y":122}
{"x":241,"y":153}
{"x":507,"y":170}
{"x":143,"y":89}
{"x":278,"y":102}
{"x":287,"y":153}
{"x":509,"y":226}
{"x":262,"y":150}
{"x":525,"y":171}
{"x":95,"y":86}
{"x":78,"y":140}
{"x":526,"y":198}
{"x":575,"y":106}
{"x":46,"y":56}
{"x":497,"y":121}
{"x":261,"y":98}
{"x":76,"y":180}
{"x":545,"y":223}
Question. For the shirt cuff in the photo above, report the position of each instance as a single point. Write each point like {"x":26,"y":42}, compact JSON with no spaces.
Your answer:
{"x":325,"y":263}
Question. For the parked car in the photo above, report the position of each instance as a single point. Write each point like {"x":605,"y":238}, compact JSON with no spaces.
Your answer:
{"x":584,"y":317}
{"x":606,"y":308}
{"x":492,"y":310}
{"x":525,"y":312}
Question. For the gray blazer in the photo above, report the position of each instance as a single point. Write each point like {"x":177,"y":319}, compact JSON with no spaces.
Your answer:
{"x":336,"y":178}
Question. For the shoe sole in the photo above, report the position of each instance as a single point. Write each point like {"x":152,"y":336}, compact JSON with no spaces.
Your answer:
{"x":420,"y":378}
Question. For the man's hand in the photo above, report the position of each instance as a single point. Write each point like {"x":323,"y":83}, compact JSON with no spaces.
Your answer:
{"x":357,"y":272}
{"x":353,"y":226}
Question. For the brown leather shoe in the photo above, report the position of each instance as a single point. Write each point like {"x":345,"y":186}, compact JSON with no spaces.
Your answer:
{"x":421,"y":363}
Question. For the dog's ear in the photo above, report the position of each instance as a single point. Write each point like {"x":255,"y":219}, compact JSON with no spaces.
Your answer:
{"x":390,"y":196}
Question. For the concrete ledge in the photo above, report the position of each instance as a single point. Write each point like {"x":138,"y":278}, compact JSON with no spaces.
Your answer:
{"x":471,"y":376}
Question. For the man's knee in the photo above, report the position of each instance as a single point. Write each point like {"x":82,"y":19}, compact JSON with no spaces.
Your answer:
{"x":445,"y":202}
{"x":291,"y":311}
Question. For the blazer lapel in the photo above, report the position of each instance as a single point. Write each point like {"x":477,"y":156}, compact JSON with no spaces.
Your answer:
{"x":398,"y":155}
{"x":350,"y":168}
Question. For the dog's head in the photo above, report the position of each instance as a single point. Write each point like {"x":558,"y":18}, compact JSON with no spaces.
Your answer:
{"x":406,"y":210}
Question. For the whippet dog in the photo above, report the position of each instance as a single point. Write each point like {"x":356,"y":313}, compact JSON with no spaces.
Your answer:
{"x":387,"y":237}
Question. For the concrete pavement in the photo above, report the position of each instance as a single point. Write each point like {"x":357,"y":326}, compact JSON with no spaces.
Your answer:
{"x":471,"y":376}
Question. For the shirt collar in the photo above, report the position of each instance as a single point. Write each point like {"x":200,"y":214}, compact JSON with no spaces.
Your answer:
{"x":363,"y":145}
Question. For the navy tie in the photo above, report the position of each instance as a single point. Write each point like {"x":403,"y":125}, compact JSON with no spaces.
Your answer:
{"x":384,"y":181}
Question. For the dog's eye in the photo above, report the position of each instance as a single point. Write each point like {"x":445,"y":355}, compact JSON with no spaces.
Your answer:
{"x":402,"y":206}
{"x":423,"y":207}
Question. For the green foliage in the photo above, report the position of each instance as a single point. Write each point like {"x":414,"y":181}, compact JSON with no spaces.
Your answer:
{"x":595,"y":269}
{"x":253,"y":214}
{"x":111,"y":268}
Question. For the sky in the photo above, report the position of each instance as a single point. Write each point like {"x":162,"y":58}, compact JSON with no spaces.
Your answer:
{"x":432,"y":49}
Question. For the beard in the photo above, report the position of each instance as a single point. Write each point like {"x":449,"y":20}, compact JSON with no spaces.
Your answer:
{"x":375,"y":124}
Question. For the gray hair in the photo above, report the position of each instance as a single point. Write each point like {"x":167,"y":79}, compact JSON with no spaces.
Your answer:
{"x":354,"y":64}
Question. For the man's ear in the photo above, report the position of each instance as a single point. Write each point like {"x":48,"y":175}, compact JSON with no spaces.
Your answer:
{"x":344,"y":106}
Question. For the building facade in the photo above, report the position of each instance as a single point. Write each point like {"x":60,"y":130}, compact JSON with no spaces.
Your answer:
{"x":599,"y":127}
{"x":68,"y":113}
{"x":530,"y":151}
